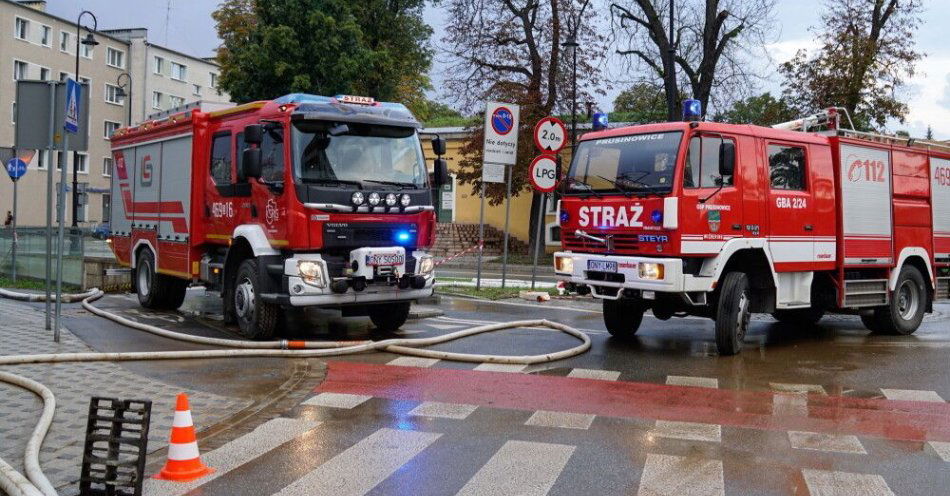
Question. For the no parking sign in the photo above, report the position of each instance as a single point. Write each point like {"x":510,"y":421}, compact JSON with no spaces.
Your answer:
{"x":501,"y":133}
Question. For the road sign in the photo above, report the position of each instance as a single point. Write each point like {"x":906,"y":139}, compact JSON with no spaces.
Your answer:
{"x":16,"y":168}
{"x":543,"y":173}
{"x":493,"y":173}
{"x":501,"y":133}
{"x":71,"y":122}
{"x":550,"y":135}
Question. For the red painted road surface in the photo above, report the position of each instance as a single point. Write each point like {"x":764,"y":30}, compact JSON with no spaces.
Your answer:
{"x":888,"y":419}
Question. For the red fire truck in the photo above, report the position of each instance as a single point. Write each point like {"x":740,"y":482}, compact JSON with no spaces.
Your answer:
{"x":300,"y":201}
{"x":723,"y":220}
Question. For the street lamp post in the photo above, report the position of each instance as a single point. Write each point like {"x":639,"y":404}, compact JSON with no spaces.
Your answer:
{"x":572,"y":44}
{"x":122,"y":93}
{"x":89,"y":40}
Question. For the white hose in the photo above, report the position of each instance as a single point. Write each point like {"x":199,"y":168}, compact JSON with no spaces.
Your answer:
{"x":15,"y":484}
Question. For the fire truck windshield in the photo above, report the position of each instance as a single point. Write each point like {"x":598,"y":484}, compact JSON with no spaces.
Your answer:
{"x":638,"y":164}
{"x":354,"y":154}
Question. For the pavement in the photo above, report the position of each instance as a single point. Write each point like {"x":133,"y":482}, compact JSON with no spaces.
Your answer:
{"x":824,"y":410}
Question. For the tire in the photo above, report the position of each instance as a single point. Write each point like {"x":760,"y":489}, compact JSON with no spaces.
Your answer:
{"x":175,"y":293}
{"x":149,"y":285}
{"x":622,"y":318}
{"x":256,"y":319}
{"x":903,"y":315}
{"x":799,"y":316}
{"x":732,"y":313}
{"x":870,"y":322}
{"x":390,"y":316}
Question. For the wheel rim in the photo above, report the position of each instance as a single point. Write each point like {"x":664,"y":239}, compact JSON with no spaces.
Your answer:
{"x":908,"y":300}
{"x":244,"y":300}
{"x":144,"y":279}
{"x":742,"y":323}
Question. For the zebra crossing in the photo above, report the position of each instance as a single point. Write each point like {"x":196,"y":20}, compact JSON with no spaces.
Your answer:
{"x":375,"y":445}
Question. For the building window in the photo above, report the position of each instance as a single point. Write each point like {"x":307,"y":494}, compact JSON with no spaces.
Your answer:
{"x":552,"y":234}
{"x":197,"y":90}
{"x":159,"y":66}
{"x":214,"y":80}
{"x":787,"y":167}
{"x":156,"y":100}
{"x":179,"y":71}
{"x":107,"y":166}
{"x":106,"y":207}
{"x":86,"y":51}
{"x":20,"y":70}
{"x":112,"y":95}
{"x":13,"y":112}
{"x":81,"y":164}
{"x":42,"y":159}
{"x":175,"y":101}
{"x":63,"y":76}
{"x":64,"y":45}
{"x":115,"y":58}
{"x":21,"y":29}
{"x":46,"y":33}
{"x":60,"y":160}
{"x":44,"y":74}
{"x":110,"y":127}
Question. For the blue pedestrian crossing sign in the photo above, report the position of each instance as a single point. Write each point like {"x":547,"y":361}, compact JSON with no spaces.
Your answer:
{"x":16,"y":168}
{"x":71,"y":124}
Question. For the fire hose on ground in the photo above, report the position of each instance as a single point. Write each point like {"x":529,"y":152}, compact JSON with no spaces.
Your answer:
{"x":36,"y":484}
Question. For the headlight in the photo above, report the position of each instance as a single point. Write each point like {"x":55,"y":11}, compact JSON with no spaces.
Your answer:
{"x":391,"y":199}
{"x":311,"y":272}
{"x":374,"y":199}
{"x":426,"y":265}
{"x":404,"y":200}
{"x":357,"y":198}
{"x":651,"y":271}
{"x":564,"y":265}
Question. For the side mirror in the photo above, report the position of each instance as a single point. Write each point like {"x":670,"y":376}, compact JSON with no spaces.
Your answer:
{"x":727,"y":158}
{"x":250,"y":164}
{"x":253,"y":134}
{"x":440,"y":172}
{"x":438,"y":146}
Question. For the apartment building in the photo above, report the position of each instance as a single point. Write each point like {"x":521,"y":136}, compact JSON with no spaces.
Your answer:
{"x":37,"y":45}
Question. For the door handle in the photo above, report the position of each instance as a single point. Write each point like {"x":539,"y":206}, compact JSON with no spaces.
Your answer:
{"x":809,"y":227}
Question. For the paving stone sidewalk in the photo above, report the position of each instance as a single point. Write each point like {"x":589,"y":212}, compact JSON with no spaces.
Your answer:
{"x":22,"y":332}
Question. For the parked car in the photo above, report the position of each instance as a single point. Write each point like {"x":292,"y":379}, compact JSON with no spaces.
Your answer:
{"x":101,"y":231}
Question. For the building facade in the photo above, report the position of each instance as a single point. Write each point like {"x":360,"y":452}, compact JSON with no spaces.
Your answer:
{"x":39,"y":46}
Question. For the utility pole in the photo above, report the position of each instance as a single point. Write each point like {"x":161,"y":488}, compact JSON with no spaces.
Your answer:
{"x":89,"y":40}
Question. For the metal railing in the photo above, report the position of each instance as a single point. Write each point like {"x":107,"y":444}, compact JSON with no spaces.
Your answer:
{"x":31,"y":253}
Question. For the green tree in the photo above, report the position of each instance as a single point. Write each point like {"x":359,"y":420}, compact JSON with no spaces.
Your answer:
{"x":761,"y":110}
{"x":642,"y":102}
{"x":378,"y":48}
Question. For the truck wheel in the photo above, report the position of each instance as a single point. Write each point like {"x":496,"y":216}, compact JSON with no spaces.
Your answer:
{"x":149,"y":285}
{"x":906,"y":309}
{"x":622,"y":318}
{"x":175,"y":292}
{"x":870,"y":322}
{"x":256,"y":319}
{"x":389,"y":317}
{"x":799,"y":316}
{"x":732,"y":315}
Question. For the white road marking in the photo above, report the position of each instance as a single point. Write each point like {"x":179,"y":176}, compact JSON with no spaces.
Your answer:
{"x":667,"y":475}
{"x":603,"y":375}
{"x":445,"y":327}
{"x":409,"y":361}
{"x":500,"y":367}
{"x":337,"y":400}
{"x":364,"y":465}
{"x":817,"y":441}
{"x":563,"y":420}
{"x":783,"y":387}
{"x":458,"y":411}
{"x":790,"y":405}
{"x":831,"y":483}
{"x":520,"y":467}
{"x":266,"y":437}
{"x":911,"y":395}
{"x":940,"y":448}
{"x":690,"y":431}
{"x":684,"y":380}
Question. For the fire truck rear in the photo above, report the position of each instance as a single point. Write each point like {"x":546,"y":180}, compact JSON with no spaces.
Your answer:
{"x":295,"y":202}
{"x":723,"y":220}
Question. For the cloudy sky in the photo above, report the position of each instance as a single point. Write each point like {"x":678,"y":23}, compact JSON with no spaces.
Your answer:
{"x":191,"y":30}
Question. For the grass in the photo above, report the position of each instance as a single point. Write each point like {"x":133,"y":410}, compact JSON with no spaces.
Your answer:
{"x":489,"y":293}
{"x":32,"y":284}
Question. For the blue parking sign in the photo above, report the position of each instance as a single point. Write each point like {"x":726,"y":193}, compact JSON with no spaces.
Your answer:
{"x":16,"y":168}
{"x":72,"y":106}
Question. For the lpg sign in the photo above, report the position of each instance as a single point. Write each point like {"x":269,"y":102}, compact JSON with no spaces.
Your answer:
{"x":543,"y":173}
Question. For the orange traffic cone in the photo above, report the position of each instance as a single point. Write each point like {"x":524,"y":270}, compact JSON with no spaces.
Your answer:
{"x":184,"y":463}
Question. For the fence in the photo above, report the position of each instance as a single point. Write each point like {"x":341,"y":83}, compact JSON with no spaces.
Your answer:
{"x":31,"y":254}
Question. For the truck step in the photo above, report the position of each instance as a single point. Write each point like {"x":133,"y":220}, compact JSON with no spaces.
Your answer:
{"x":943,"y":289}
{"x":865,"y":292}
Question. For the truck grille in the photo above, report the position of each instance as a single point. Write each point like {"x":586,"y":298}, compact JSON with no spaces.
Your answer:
{"x":356,"y":235}
{"x":623,"y":243}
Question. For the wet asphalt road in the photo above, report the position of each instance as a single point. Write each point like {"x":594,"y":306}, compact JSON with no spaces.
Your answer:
{"x":740,"y":438}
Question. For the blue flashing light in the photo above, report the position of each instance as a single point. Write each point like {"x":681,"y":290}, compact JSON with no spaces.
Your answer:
{"x":565,"y":217}
{"x":692,"y":110}
{"x":657,"y":217}
{"x":600,"y":121}
{"x":302,"y":98}
{"x":403,"y":236}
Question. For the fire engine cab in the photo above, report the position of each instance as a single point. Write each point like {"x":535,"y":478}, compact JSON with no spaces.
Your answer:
{"x":300,"y":201}
{"x":724,"y":220}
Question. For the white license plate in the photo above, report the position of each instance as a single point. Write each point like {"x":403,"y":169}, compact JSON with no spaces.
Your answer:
{"x":601,"y":266}
{"x":385,"y":260}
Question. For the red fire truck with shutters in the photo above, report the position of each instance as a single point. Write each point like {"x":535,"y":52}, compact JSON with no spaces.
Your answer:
{"x":724,"y":220}
{"x":300,"y":201}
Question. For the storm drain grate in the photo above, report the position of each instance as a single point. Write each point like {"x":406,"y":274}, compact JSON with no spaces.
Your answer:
{"x":113,"y":460}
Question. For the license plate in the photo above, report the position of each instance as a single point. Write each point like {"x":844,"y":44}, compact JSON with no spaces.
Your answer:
{"x":601,"y":266}
{"x":385,"y":260}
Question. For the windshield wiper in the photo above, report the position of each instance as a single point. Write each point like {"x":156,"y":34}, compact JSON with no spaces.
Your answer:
{"x":623,"y":189}
{"x":398,"y":184}
{"x":327,"y":180}
{"x":590,"y":189}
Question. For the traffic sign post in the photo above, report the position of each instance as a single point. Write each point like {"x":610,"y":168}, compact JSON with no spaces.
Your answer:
{"x":71,"y":118}
{"x":16,"y":168}
{"x":499,"y":152}
{"x":550,"y":135}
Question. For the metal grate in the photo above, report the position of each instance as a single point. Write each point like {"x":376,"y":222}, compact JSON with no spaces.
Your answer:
{"x":113,"y":461}
{"x":943,"y":288}
{"x":865,"y":292}
{"x":623,"y":243}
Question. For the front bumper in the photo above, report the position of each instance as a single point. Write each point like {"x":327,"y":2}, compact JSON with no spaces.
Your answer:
{"x":628,"y":275}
